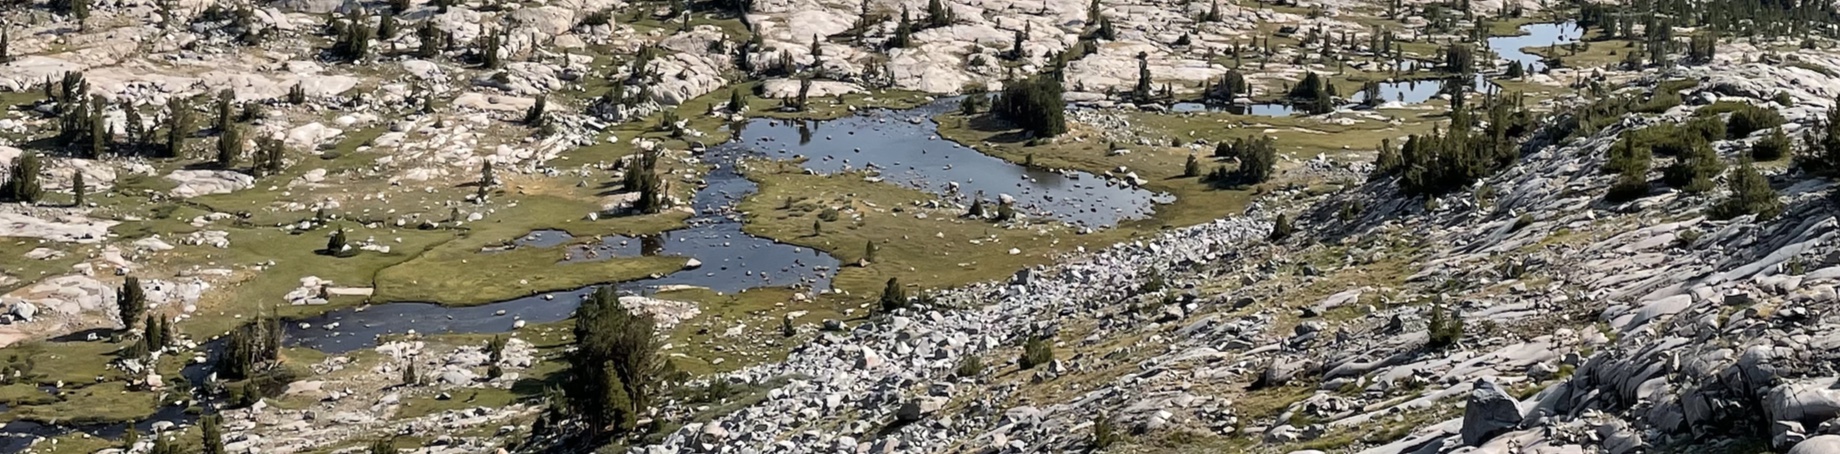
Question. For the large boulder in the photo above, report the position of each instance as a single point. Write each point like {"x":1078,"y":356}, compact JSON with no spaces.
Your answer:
{"x":1824,"y":444}
{"x":549,"y":20}
{"x":1809,"y":402}
{"x":1490,"y":411}
{"x":23,"y":311}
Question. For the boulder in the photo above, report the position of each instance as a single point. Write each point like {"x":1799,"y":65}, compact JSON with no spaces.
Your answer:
{"x":1809,"y":402}
{"x":23,"y":311}
{"x":1490,"y":411}
{"x":919,"y":407}
{"x":1824,"y":444}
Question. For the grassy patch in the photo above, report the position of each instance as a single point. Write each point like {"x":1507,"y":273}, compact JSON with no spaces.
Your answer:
{"x":934,"y":252}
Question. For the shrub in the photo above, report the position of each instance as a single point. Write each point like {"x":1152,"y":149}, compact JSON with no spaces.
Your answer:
{"x":1629,"y":186}
{"x":1037,"y":351}
{"x":1707,"y":128}
{"x":893,"y":295}
{"x":1104,"y":434}
{"x":1626,"y":157}
{"x":1771,"y":147}
{"x":828,"y":215}
{"x":1749,"y":119}
{"x":1444,"y":328}
{"x":970,"y":366}
{"x":1693,"y":171}
{"x":1750,"y":194}
{"x":1281,"y":228}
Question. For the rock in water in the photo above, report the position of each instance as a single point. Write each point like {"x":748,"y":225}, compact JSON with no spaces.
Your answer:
{"x":1489,"y":412}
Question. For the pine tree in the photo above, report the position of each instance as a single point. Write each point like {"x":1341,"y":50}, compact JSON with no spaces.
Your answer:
{"x":250,"y":348}
{"x":336,"y":243}
{"x":489,"y":45}
{"x":903,"y":31}
{"x":130,"y":302}
{"x":1750,"y":194}
{"x":355,"y":43}
{"x":386,"y":25}
{"x":869,"y":252}
{"x":1192,"y":168}
{"x":212,"y":434}
{"x":409,"y":375}
{"x":6,"y":44}
{"x":1281,"y":228}
{"x":226,"y":106}
{"x":1015,"y":50}
{"x":99,"y":136}
{"x":937,"y":15}
{"x":1141,"y":92}
{"x":736,"y":102}
{"x":178,"y":127}
{"x":894,"y":296}
{"x":136,"y":126}
{"x":1034,"y":104}
{"x":616,"y":370}
{"x":1694,"y":170}
{"x":230,"y":146}
{"x":534,"y":116}
{"x":22,"y":183}
{"x":432,"y":40}
{"x":77,"y":187}
{"x":1771,"y":147}
{"x":270,"y":157}
{"x":383,"y":446}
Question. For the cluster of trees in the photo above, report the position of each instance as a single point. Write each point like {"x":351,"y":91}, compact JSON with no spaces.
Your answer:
{"x":80,"y":124}
{"x":1823,"y":143}
{"x":352,"y":37}
{"x":1257,"y":158}
{"x":616,"y":371}
{"x":1695,"y":164}
{"x":1768,"y":18}
{"x":1314,"y":94}
{"x":642,"y":177}
{"x":937,"y":15}
{"x":1034,"y":104}
{"x":251,"y":349}
{"x":22,"y":183}
{"x":1440,"y":162}
{"x":1231,"y":86}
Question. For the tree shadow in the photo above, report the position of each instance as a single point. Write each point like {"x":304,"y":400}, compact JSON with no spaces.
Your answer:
{"x":102,"y":335}
{"x":1007,"y":132}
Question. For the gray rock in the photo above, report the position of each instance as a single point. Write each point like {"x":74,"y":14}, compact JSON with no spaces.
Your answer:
{"x":1809,"y":402}
{"x":1823,"y":444}
{"x":918,"y":408}
{"x":1490,"y":411}
{"x":23,"y":311}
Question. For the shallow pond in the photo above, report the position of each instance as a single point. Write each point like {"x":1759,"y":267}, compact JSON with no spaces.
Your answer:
{"x":902,"y":145}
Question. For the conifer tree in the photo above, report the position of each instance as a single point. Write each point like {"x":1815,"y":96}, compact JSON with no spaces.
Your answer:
{"x":229,"y":146}
{"x":78,"y":188}
{"x":22,"y":183}
{"x":130,"y":302}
